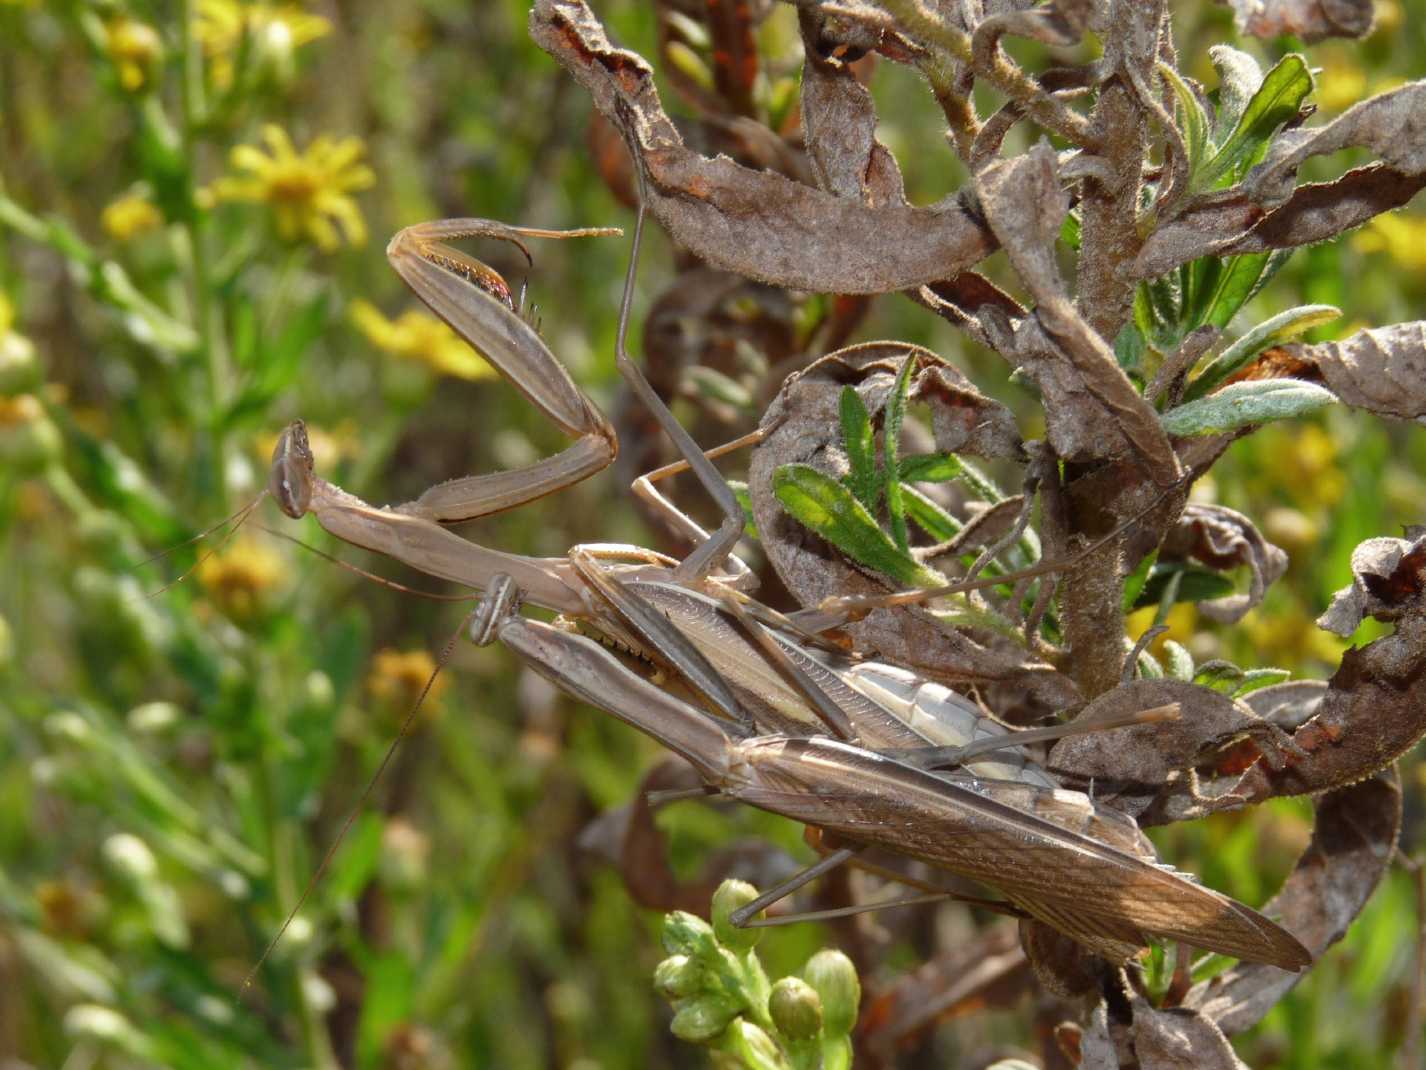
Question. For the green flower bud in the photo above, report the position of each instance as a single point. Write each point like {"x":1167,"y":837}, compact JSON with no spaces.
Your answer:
{"x":679,"y":977}
{"x":687,"y":934}
{"x":29,"y":441}
{"x":729,"y":897}
{"x":796,"y":1009}
{"x":7,"y":644}
{"x":834,"y":977}
{"x":703,"y":1020}
{"x":752,"y":1047}
{"x":19,"y":369}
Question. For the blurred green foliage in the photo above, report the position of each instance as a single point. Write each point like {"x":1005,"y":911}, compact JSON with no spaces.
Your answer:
{"x":175,"y":760}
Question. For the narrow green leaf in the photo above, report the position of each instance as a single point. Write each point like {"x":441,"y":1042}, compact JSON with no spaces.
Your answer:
{"x":1270,"y":332}
{"x":750,"y":524}
{"x":1070,"y":231}
{"x":931,"y":468}
{"x":1239,"y":77}
{"x":1277,"y":101}
{"x":928,"y":516}
{"x":890,"y":443}
{"x":863,"y":480}
{"x":1130,"y":349}
{"x":1242,"y":404}
{"x":1193,"y":118}
{"x":1238,"y":281}
{"x":1149,"y":667}
{"x":1220,"y":675}
{"x":1256,"y":678}
{"x":713,"y":385}
{"x":1180,"y":661}
{"x":276,"y":364}
{"x":1135,"y":582}
{"x":822,"y":504}
{"x":1194,"y":585}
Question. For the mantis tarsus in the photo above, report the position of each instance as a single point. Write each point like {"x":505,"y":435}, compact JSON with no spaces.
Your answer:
{"x":767,"y":717}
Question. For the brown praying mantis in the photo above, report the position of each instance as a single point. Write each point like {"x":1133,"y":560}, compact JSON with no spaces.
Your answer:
{"x":765,"y":712}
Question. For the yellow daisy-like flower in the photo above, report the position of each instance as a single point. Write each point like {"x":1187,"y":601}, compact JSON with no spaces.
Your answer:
{"x":129,"y":216}
{"x":1402,"y":237}
{"x":309,"y":192}
{"x":418,"y":336}
{"x":274,"y":30}
{"x":136,"y":51}
{"x":398,"y":678}
{"x":240,"y":578}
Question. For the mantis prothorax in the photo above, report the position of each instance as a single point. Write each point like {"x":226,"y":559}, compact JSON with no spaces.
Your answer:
{"x":771,"y":720}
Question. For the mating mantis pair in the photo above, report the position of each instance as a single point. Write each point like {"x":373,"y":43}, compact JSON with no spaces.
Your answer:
{"x":764,"y":711}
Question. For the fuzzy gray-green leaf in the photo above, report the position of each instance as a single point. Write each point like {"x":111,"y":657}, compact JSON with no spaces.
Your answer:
{"x":1238,"y":405}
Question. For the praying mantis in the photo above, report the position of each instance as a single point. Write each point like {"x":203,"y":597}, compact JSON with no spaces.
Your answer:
{"x":765,"y":712}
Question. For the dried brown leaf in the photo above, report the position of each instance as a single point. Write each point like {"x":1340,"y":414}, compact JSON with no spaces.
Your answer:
{"x":1380,"y":369}
{"x":1392,"y":125}
{"x":1353,"y":840}
{"x":756,"y":223}
{"x":1312,"y":20}
{"x":1230,"y":223}
{"x":1222,"y":538}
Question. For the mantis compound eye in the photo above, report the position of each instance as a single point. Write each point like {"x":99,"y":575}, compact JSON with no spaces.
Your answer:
{"x":290,"y":481}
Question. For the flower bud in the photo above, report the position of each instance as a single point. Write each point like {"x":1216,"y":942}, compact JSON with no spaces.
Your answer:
{"x":19,"y":368}
{"x":29,"y":441}
{"x":679,"y":977}
{"x":703,"y":1020}
{"x":796,"y":1009}
{"x":834,"y":977}
{"x":687,"y":934}
{"x":731,"y":895}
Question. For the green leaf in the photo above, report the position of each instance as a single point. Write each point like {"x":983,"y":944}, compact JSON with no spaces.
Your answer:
{"x":1256,"y":678}
{"x":1276,"y":102}
{"x":1194,"y":585}
{"x":713,"y":385}
{"x":1134,"y":583}
{"x":1270,"y":332}
{"x":823,"y":505}
{"x":1239,"y":77}
{"x":863,"y":480}
{"x":1070,"y":231}
{"x":930,"y":517}
{"x":1239,"y":280}
{"x":1180,"y":661}
{"x":890,"y":441}
{"x":750,"y":523}
{"x":931,"y":468}
{"x":1243,"y":404}
{"x":1220,"y":675}
{"x":1194,"y":119}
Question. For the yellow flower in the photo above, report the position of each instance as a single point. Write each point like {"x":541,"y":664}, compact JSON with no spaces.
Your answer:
{"x":136,"y":51}
{"x":129,"y":216}
{"x":271,"y":30}
{"x":420,"y":337}
{"x":1401,"y":236}
{"x":310,"y":192}
{"x":398,"y":679}
{"x":240,"y":578}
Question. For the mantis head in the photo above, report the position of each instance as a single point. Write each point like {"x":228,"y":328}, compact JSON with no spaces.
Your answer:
{"x":290,"y":482}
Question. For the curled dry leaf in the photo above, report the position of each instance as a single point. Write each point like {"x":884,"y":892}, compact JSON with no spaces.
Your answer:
{"x":1386,"y":574}
{"x":1380,"y":369}
{"x":1353,"y":839}
{"x":1084,"y":389}
{"x":1374,"y":709}
{"x":1221,"y":538}
{"x":1290,"y":704}
{"x":1392,"y":125}
{"x":1311,"y":20}
{"x":1177,"y":1038}
{"x":757,"y":223}
{"x":839,"y":123}
{"x":1230,"y":223}
{"x":1130,"y":766}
